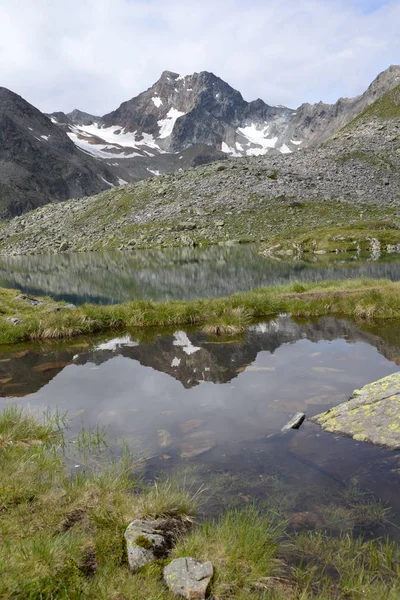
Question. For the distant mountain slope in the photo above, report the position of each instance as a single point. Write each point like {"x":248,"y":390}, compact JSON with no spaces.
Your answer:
{"x":352,"y":179}
{"x":180,"y":112}
{"x":180,"y":122}
{"x":373,"y":136}
{"x":38,"y":162}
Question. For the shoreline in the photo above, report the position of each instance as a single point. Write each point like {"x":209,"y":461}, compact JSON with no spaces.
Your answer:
{"x":24,"y":318}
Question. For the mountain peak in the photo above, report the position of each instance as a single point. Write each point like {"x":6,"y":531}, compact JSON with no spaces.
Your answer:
{"x":385,"y":81}
{"x":169,"y":75}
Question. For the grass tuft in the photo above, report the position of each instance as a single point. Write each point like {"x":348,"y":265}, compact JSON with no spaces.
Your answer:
{"x":358,"y":298}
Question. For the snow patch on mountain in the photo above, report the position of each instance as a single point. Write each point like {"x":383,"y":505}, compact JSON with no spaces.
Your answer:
{"x":285,"y":149}
{"x":98,"y":150}
{"x":167,"y":125}
{"x":228,"y":150}
{"x":107,"y":142}
{"x":257,"y":136}
{"x":157,"y":101}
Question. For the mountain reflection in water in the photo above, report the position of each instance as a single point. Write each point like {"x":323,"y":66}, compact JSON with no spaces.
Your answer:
{"x":187,"y":398}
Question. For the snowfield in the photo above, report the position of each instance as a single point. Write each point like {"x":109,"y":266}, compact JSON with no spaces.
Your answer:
{"x":167,"y":125}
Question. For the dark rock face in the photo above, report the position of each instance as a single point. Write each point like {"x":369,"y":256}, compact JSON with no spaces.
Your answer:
{"x":210,"y":111}
{"x":38,"y":162}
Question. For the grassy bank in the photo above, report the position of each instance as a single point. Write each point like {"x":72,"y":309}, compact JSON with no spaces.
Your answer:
{"x":62,"y":534}
{"x":382,"y":235}
{"x":360,"y":299}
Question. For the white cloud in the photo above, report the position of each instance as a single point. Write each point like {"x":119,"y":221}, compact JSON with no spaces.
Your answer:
{"x":94,"y":54}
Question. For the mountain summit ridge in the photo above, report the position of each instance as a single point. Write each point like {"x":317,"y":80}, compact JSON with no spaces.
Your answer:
{"x":179,"y":122}
{"x":180,"y":111}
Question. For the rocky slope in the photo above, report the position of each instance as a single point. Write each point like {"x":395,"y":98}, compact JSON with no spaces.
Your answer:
{"x":352,"y":178}
{"x":178,"y":113}
{"x":38,"y":162}
{"x":180,"y":122}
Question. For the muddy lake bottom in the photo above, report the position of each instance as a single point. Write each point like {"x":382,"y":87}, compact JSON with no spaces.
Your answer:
{"x":210,"y":411}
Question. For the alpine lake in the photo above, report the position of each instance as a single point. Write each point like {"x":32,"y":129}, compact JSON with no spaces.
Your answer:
{"x":210,"y":409}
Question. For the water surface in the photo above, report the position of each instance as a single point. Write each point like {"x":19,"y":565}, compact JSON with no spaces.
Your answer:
{"x":174,"y":273}
{"x":214,"y":408}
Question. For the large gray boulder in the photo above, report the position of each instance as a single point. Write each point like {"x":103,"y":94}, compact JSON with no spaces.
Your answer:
{"x":188,"y":578}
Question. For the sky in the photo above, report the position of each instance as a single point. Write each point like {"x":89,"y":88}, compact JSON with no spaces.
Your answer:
{"x":94,"y":54}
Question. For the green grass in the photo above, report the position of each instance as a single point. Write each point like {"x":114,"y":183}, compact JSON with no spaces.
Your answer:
{"x":243,"y":545}
{"x":343,"y":238}
{"x":360,"y":299}
{"x":62,"y":534}
{"x":375,"y":160}
{"x":386,"y":107}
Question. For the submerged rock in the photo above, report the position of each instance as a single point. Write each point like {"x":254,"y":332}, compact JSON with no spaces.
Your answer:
{"x":372,"y":414}
{"x":188,"y":578}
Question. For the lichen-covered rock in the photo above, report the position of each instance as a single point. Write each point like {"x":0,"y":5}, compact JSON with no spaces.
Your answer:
{"x":148,"y":540}
{"x":371,"y":415}
{"x":188,"y":578}
{"x":145,"y":542}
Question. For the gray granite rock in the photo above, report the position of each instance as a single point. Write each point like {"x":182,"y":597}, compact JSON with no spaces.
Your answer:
{"x":188,"y":578}
{"x":145,"y":543}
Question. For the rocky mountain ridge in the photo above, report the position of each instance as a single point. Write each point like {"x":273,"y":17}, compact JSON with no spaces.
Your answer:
{"x":353,"y":176}
{"x":181,"y":112}
{"x":39,"y":163}
{"x":178,"y":123}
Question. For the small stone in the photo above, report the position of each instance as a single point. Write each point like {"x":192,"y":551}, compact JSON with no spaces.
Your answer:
{"x":219,"y":223}
{"x":188,"y":578}
{"x":294,"y":422}
{"x":63,"y":246}
{"x":65,"y":307}
{"x":186,"y":226}
{"x":14,"y":320}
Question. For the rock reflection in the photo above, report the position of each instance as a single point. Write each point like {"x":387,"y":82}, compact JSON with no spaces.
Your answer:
{"x":174,"y":273}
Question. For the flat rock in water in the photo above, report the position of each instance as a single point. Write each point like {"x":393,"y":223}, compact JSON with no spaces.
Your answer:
{"x":372,"y":414}
{"x":294,"y":422}
{"x":188,"y":578}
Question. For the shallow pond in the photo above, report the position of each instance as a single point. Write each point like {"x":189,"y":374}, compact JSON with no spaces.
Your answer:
{"x":174,"y":273}
{"x":213,"y":409}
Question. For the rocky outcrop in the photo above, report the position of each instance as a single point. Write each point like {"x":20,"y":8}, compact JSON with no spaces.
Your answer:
{"x":38,"y":162}
{"x":370,"y":415}
{"x":149,"y":540}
